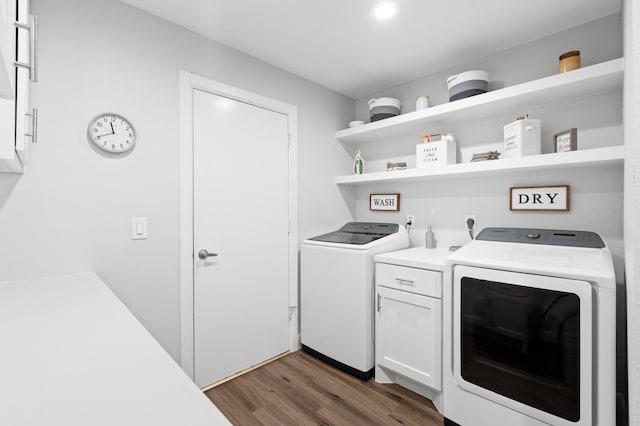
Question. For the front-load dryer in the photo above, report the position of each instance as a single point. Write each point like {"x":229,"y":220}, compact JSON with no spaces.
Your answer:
{"x":337,"y":290}
{"x":529,"y":330}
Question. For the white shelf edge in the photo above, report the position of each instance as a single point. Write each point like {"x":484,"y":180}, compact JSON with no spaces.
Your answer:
{"x":582,"y":75}
{"x":602,"y":156}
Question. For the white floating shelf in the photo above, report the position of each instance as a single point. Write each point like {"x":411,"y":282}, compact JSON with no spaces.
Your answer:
{"x":601,"y":77}
{"x":608,"y":156}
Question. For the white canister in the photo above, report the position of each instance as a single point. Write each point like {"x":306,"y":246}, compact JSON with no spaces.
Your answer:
{"x":522,"y":137}
{"x":422,"y":102}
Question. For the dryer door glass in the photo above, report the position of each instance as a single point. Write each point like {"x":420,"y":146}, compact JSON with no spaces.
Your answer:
{"x":523,"y":343}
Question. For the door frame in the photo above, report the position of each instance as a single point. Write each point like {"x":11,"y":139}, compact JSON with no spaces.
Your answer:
{"x":189,"y":82}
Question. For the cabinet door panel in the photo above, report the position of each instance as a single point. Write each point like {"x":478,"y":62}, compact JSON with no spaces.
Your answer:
{"x":22,"y":87}
{"x":409,"y":336}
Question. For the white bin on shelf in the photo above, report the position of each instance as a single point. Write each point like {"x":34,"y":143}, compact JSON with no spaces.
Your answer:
{"x":522,"y":137}
{"x":435,"y":154}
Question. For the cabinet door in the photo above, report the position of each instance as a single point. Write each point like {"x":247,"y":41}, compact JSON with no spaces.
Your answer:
{"x":7,"y":48}
{"x":24,"y":123}
{"x":409,"y":335}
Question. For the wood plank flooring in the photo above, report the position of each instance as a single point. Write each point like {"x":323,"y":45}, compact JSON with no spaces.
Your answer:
{"x":301,"y":390}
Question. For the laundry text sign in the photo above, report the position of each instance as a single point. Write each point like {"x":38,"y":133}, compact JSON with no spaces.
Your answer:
{"x":384,"y":202}
{"x":540,"y":198}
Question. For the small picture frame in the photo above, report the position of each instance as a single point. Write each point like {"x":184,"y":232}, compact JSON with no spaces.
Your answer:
{"x":566,"y":140}
{"x":384,"y":202}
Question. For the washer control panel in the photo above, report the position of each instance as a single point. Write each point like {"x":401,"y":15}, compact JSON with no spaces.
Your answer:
{"x":553,"y":237}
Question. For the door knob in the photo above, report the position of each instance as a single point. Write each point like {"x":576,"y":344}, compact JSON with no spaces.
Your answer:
{"x":204,"y":254}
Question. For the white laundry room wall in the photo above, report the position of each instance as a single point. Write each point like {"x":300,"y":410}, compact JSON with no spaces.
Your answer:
{"x":596,"y":194}
{"x":71,"y":209}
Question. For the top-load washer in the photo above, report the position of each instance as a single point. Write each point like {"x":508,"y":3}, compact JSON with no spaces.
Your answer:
{"x":529,"y":330}
{"x":337,"y":290}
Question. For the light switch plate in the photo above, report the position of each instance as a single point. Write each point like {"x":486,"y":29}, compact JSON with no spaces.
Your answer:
{"x":139,"y":228}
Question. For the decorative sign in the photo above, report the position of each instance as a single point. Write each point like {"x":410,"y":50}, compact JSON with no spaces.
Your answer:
{"x":384,"y":202}
{"x":540,"y":198}
{"x":567,"y":140}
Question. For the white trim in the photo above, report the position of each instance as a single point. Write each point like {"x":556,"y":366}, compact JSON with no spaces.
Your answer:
{"x":631,"y":120}
{"x":189,"y":82}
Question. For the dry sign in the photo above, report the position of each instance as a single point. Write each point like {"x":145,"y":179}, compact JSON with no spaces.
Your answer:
{"x":384,"y":202}
{"x":540,"y":198}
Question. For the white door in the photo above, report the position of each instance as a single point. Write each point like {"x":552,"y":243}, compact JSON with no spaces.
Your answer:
{"x":241,"y":215}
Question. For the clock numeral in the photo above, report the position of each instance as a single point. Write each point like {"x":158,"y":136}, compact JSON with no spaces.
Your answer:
{"x":121,"y":147}
{"x":94,"y":130}
{"x":113,"y":147}
{"x":98,"y":137}
{"x":105,"y":143}
{"x":99,"y":124}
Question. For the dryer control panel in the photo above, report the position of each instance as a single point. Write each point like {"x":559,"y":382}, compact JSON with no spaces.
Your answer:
{"x":553,"y":237}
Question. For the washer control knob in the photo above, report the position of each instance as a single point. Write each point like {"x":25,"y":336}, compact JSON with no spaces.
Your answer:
{"x":533,"y":235}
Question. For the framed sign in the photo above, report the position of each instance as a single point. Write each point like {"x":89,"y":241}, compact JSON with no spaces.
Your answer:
{"x":567,"y":140}
{"x":540,"y":198}
{"x":384,"y":202}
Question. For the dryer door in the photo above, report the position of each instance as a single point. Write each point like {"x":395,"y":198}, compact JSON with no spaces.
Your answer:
{"x":525,"y":342}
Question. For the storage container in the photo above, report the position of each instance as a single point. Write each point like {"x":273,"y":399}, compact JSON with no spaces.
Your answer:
{"x":435,"y":154}
{"x":569,"y":61}
{"x":522,"y":137}
{"x":382,"y":108}
{"x":467,"y":84}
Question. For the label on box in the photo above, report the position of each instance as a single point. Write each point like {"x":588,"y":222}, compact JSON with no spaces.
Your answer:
{"x":435,"y":153}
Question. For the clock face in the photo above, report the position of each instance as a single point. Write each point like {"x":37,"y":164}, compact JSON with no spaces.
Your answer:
{"x":112,"y":133}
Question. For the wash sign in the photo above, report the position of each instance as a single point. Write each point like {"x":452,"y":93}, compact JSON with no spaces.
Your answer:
{"x":540,"y":198}
{"x":384,"y":202}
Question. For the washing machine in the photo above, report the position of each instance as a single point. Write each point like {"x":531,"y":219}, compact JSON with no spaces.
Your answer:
{"x":337,"y":290}
{"x":529,"y":330}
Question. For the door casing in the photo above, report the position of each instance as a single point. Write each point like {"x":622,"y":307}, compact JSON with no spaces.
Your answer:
{"x":189,"y":82}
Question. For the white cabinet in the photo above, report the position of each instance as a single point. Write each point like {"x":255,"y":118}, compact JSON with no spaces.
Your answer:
{"x":7,"y":48}
{"x":409,"y":325}
{"x":18,"y":121}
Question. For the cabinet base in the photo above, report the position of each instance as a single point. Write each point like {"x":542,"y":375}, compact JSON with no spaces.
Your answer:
{"x":362,"y":375}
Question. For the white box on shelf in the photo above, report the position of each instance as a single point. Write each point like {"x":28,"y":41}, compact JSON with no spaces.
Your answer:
{"x":522,"y":137}
{"x":435,"y":154}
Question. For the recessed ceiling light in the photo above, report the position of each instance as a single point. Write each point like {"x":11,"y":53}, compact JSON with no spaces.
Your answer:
{"x":385,"y":9}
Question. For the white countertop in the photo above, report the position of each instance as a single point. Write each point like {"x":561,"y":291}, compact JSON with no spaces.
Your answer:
{"x":417,"y":257}
{"x":72,"y":354}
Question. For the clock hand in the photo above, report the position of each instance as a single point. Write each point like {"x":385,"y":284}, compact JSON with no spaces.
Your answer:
{"x":113,"y":132}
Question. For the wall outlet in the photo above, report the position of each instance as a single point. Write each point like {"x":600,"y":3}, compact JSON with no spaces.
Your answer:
{"x":411,"y":218}
{"x":472,"y":217}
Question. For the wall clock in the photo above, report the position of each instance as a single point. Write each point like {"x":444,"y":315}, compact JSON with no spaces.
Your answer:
{"x":112,"y":133}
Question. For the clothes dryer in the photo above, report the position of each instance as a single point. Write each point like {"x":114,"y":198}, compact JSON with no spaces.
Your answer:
{"x":529,"y":330}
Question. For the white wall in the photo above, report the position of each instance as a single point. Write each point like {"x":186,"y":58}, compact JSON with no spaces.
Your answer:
{"x":598,"y":41}
{"x":596,"y":195}
{"x":632,"y":199}
{"x":71,"y":210}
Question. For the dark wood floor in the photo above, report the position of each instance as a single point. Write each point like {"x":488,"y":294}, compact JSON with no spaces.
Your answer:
{"x":301,"y":390}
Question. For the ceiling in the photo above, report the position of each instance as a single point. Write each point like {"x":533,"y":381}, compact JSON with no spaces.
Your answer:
{"x":339,"y":45}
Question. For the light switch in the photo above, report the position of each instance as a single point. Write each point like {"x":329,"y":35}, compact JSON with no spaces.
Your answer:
{"x":139,"y":228}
